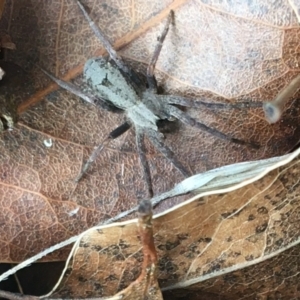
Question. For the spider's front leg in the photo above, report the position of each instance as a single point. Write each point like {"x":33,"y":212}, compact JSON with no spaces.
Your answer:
{"x":187,"y":102}
{"x":144,"y":162}
{"x":86,"y":96}
{"x":109,"y":48}
{"x":107,"y":45}
{"x":150,"y":69}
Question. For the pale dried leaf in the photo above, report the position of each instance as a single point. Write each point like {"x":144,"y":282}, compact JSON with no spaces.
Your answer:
{"x":219,"y":180}
{"x":213,"y":234}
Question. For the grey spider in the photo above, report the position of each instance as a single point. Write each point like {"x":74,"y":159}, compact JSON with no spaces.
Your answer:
{"x":114,"y":86}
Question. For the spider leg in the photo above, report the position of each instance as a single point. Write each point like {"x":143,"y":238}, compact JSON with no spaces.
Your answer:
{"x":109,"y":48}
{"x":150,"y":70}
{"x":113,"y":135}
{"x":189,"y":102}
{"x":141,"y":151}
{"x":85,"y":96}
{"x":155,"y":139}
{"x":177,"y":113}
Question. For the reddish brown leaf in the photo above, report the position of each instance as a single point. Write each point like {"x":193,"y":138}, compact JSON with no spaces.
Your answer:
{"x":222,"y":53}
{"x":6,"y":42}
{"x":14,"y":86}
{"x":2,"y":3}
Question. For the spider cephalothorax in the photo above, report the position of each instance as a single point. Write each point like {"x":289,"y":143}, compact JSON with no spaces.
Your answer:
{"x":113,"y":85}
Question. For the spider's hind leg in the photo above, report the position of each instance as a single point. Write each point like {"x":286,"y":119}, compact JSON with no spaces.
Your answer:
{"x":150,"y":70}
{"x":111,"y":136}
{"x":141,"y":151}
{"x":156,"y":140}
{"x":186,"y":119}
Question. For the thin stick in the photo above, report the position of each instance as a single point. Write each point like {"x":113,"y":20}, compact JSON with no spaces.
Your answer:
{"x":12,"y":296}
{"x":273,"y":110}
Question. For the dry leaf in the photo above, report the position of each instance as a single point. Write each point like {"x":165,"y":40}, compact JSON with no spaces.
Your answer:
{"x":14,"y":86}
{"x":6,"y":42}
{"x":237,"y":175}
{"x":223,"y":242}
{"x":2,"y":3}
{"x":145,"y":286}
{"x":214,"y":51}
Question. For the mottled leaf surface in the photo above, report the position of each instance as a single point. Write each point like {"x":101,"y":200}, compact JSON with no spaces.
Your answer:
{"x":234,"y":245}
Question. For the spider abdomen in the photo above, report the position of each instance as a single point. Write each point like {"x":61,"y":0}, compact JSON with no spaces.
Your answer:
{"x":106,"y":81}
{"x":109,"y":83}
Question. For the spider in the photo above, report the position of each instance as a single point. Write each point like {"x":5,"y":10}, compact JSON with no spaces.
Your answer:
{"x":114,"y":86}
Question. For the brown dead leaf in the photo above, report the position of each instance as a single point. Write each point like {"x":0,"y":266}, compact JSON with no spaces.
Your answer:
{"x":2,"y":4}
{"x":6,"y":42}
{"x":217,"y":52}
{"x":14,"y":86}
{"x":236,"y":244}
